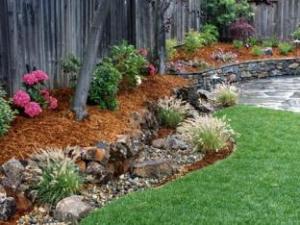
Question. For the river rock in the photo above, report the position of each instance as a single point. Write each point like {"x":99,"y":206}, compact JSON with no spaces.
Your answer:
{"x":72,"y":209}
{"x":7,"y":208}
{"x":153,"y":168}
{"x":13,"y":170}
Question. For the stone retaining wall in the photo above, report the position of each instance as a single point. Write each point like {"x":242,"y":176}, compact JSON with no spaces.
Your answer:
{"x":245,"y":71}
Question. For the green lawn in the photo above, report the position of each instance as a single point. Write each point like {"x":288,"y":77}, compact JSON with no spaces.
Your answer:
{"x":258,"y":184}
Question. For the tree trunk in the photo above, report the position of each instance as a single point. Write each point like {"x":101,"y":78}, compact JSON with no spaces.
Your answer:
{"x":160,"y":37}
{"x":90,"y":56}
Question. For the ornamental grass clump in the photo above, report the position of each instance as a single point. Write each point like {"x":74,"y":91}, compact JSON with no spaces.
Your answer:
{"x":6,"y":113}
{"x":172,"y":111}
{"x":52,"y":176}
{"x":206,"y":133}
{"x":226,"y":95}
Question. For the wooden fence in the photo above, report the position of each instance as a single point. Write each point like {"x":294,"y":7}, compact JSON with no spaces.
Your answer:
{"x":279,"y":19}
{"x":40,"y":33}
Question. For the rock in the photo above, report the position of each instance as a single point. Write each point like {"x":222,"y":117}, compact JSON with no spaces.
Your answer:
{"x":13,"y":170}
{"x":95,"y":154}
{"x":294,"y":66}
{"x":267,"y":51}
{"x":153,"y":168}
{"x":2,"y":192}
{"x":7,"y":208}
{"x":175,"y":143}
{"x":99,"y":172}
{"x":72,"y":209}
{"x":81,"y":165}
{"x":159,"y":143}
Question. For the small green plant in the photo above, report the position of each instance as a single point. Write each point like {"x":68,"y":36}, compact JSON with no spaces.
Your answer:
{"x":170,"y":118}
{"x":257,"y":51}
{"x":285,"y":48}
{"x":71,"y":67}
{"x":267,"y":43}
{"x":226,"y":95}
{"x":296,"y":34}
{"x":129,"y":62}
{"x":206,"y":133}
{"x":172,"y":111}
{"x":53,"y":176}
{"x":105,"y":85}
{"x":7,"y":115}
{"x":238,"y":44}
{"x":252,"y":41}
{"x":193,"y":41}
{"x":170,"y":45}
{"x":210,"y":34}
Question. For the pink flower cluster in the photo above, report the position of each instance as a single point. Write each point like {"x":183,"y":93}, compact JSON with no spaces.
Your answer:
{"x":35,"y":77}
{"x":23,"y":99}
{"x":152,"y":70}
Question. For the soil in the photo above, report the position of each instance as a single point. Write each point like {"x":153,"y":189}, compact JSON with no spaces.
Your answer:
{"x":243,"y":54}
{"x":58,"y":129}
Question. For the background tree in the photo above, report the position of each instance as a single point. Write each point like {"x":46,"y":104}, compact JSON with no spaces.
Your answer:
{"x":90,"y":57}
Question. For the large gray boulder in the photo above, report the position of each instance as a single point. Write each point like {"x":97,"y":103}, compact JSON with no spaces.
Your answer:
{"x":153,"y":169}
{"x":7,"y":208}
{"x":13,"y":171}
{"x":72,"y":209}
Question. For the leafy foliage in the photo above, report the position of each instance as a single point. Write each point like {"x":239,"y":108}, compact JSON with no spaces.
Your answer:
{"x":210,"y":34}
{"x":257,"y":51}
{"x":206,"y":133}
{"x":296,"y":34}
{"x":238,"y":44}
{"x":6,"y":113}
{"x":252,"y":41}
{"x":53,"y":176}
{"x":270,"y":42}
{"x":285,"y":48}
{"x":241,"y":29}
{"x":193,"y":40}
{"x":71,"y":66}
{"x":105,"y":85}
{"x":129,"y":63}
{"x":171,"y":51}
{"x":224,"y":12}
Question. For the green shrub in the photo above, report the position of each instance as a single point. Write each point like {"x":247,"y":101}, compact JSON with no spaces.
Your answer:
{"x":270,"y":42}
{"x":285,"y":48}
{"x":224,"y":12}
{"x":172,"y":111}
{"x":210,"y":34}
{"x":71,"y":66}
{"x":252,"y":41}
{"x":226,"y":95}
{"x":6,"y":113}
{"x":171,"y":51}
{"x":238,"y":44}
{"x":206,"y":133}
{"x":53,"y":176}
{"x":170,"y":118}
{"x":105,"y":85}
{"x":193,"y":41}
{"x":129,"y":63}
{"x":296,"y":34}
{"x":257,"y":51}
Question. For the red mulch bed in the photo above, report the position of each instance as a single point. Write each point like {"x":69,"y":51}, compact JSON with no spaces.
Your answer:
{"x":243,"y":54}
{"x":59,"y":129}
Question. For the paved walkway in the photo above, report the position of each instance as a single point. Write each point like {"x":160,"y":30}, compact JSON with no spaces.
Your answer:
{"x":277,"y":93}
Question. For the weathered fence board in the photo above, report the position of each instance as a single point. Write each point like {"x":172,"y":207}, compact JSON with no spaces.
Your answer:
{"x":279,"y":19}
{"x":40,"y":33}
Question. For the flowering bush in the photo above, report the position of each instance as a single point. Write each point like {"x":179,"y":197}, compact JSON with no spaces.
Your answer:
{"x":35,"y":96}
{"x":152,"y":70}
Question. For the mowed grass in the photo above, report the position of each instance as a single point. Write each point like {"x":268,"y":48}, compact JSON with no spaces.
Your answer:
{"x":257,"y":184}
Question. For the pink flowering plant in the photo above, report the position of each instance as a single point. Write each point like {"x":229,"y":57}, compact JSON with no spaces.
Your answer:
{"x":36,"y":96}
